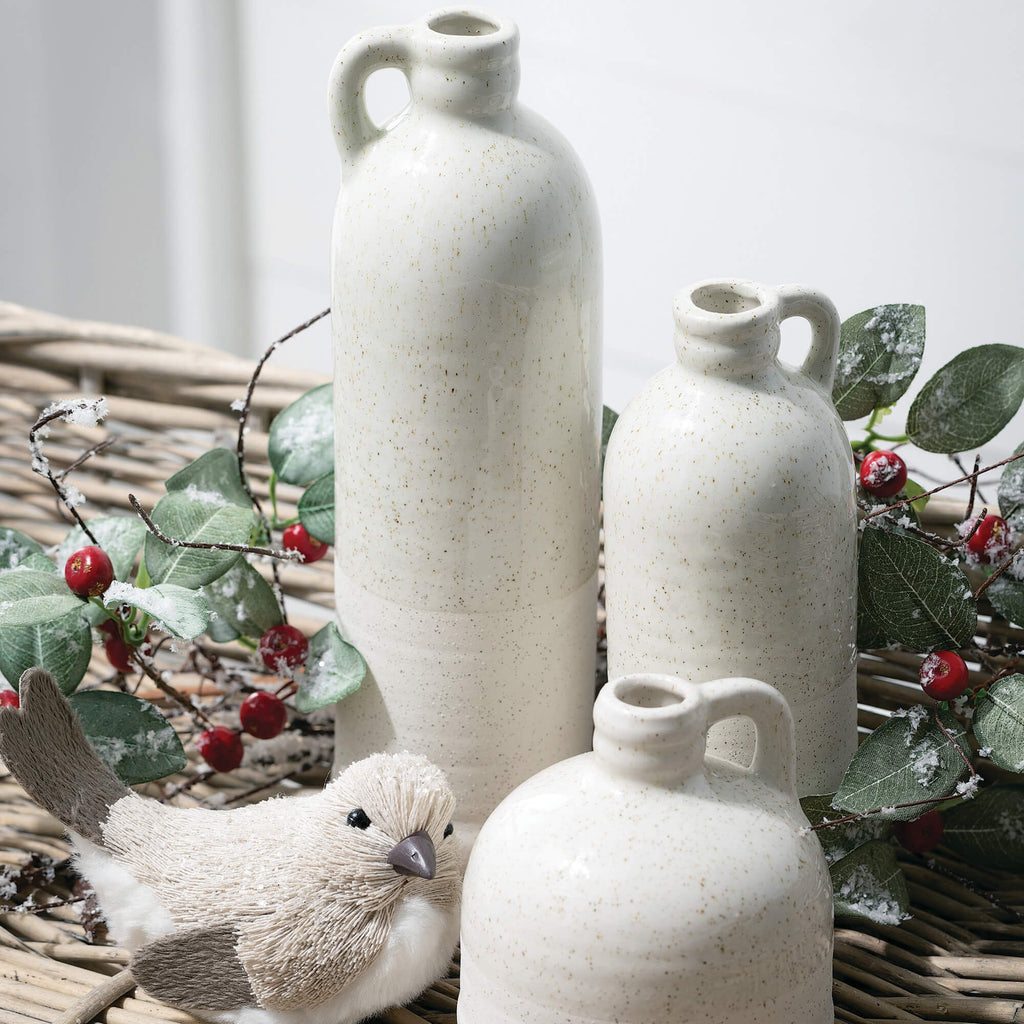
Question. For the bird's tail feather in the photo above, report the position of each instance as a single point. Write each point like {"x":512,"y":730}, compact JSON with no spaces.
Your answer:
{"x":44,"y":747}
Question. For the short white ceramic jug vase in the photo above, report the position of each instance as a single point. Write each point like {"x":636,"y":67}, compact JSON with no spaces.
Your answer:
{"x":647,"y":883}
{"x":730,"y":524}
{"x":466,"y":301}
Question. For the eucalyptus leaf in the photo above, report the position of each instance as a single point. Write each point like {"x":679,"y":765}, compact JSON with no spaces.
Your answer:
{"x":909,"y":594}
{"x":969,"y":400}
{"x":999,"y":722}
{"x":62,"y":646}
{"x":41,"y":562}
{"x":838,"y":841}
{"x":243,"y":604}
{"x":181,"y":518}
{"x":907,"y":758}
{"x":15,"y":547}
{"x":1011,"y":493}
{"x":1006,"y":594}
{"x":880,"y":351}
{"x":179,"y":611}
{"x":214,"y":478}
{"x":32,"y":596}
{"x":130,"y":736}
{"x":988,"y":830}
{"x":301,"y":442}
{"x":120,"y":537}
{"x":334,"y":669}
{"x":316,"y":508}
{"x":869,"y":884}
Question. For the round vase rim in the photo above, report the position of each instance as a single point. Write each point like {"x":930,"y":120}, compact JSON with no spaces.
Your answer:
{"x":504,"y":35}
{"x":698,"y":319}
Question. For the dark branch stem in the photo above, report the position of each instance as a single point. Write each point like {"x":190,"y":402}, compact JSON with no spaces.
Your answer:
{"x":289,"y":556}
{"x":100,"y":446}
{"x":903,"y":502}
{"x":982,"y":587}
{"x":176,"y":695}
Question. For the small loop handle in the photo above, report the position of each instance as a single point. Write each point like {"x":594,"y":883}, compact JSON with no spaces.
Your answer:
{"x":359,"y":58}
{"x":818,"y":310}
{"x":775,"y":750}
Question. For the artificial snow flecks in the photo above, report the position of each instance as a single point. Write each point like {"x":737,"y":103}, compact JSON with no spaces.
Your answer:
{"x":860,"y":893}
{"x":196,"y":493}
{"x":238,"y":405}
{"x":73,"y":497}
{"x":968,"y":789}
{"x":83,"y":412}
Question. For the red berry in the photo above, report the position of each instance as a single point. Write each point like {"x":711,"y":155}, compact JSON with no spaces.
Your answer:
{"x":118,"y":650}
{"x":89,"y":572}
{"x":263,"y":715}
{"x":991,"y":541}
{"x":283,"y":647}
{"x":296,"y":538}
{"x":920,"y":835}
{"x":221,"y":748}
{"x":883,"y":474}
{"x":9,"y":699}
{"x":943,"y":675}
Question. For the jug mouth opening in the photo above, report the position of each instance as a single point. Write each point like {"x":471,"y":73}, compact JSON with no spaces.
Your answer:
{"x":462,"y":23}
{"x":650,"y":692}
{"x":726,"y":297}
{"x":719,"y":308}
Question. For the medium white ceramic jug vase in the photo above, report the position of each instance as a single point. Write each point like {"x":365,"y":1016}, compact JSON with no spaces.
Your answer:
{"x":645,"y":883}
{"x":730,"y":524}
{"x":466,"y":314}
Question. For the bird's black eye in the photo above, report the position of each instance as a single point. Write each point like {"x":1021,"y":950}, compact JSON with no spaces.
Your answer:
{"x":358,"y":818}
{"x":448,"y":829}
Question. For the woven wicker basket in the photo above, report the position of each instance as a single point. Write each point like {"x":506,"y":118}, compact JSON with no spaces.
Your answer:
{"x":959,"y":958}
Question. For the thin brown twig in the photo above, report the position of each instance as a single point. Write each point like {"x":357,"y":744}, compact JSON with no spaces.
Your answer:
{"x":289,"y":556}
{"x":35,"y":444}
{"x":985,"y":584}
{"x":176,"y":695}
{"x":100,"y":446}
{"x":903,"y":502}
{"x":43,"y":907}
{"x":956,"y":746}
{"x":974,"y":484}
{"x":243,"y":418}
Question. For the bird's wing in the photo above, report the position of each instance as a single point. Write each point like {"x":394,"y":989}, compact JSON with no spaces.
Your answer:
{"x":196,"y":969}
{"x":44,"y":747}
{"x":305,"y":952}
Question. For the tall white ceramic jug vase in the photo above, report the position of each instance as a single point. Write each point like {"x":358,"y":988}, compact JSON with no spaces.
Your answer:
{"x":730,"y":523}
{"x":645,"y":883}
{"x":466,"y":314}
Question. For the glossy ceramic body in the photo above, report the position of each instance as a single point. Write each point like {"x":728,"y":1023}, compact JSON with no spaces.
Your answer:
{"x":730,"y":523}
{"x":645,"y":883}
{"x":466,"y":314}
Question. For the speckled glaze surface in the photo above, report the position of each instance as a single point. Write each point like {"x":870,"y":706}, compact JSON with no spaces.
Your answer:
{"x":730,"y":524}
{"x":647,"y":883}
{"x":466,"y":315}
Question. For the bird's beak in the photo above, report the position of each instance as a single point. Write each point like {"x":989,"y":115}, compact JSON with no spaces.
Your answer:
{"x":414,"y":855}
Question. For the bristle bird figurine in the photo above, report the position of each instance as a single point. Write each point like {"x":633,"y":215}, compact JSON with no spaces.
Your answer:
{"x":323,"y":909}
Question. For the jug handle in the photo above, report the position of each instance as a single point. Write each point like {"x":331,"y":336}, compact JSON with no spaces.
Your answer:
{"x":775,"y":751}
{"x":359,"y":58}
{"x":818,"y":310}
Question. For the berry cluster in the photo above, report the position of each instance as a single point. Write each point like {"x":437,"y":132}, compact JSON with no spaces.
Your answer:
{"x":282,"y":648}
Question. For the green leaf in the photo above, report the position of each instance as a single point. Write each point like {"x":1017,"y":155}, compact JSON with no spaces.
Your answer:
{"x":1007,"y":597}
{"x":1011,"y":492}
{"x":243,"y":602}
{"x":969,"y":400}
{"x":334,"y":669}
{"x":301,"y":442}
{"x":15,"y":547}
{"x":213,"y":478}
{"x":129,"y":735}
{"x":911,"y":489}
{"x":999,"y":721}
{"x":608,"y":420}
{"x":880,"y":351}
{"x":120,"y":537}
{"x":869,"y":884}
{"x":32,"y":596}
{"x":838,"y":841}
{"x":988,"y":830}
{"x":41,"y":562}
{"x":181,"y":518}
{"x":316,"y":508}
{"x":62,"y":646}
{"x":907,"y":758}
{"x":177,"y":610}
{"x":910,"y":594}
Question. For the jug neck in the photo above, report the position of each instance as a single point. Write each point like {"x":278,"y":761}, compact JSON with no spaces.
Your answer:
{"x":651,"y":728}
{"x":467,"y":63}
{"x":728,"y":328}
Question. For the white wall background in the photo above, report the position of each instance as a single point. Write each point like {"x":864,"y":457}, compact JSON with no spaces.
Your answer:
{"x":169,"y":162}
